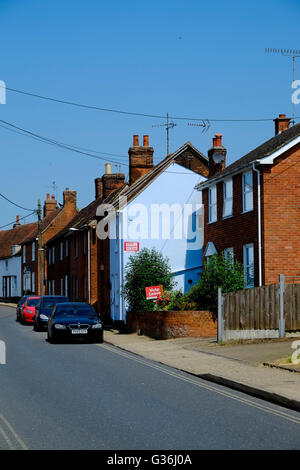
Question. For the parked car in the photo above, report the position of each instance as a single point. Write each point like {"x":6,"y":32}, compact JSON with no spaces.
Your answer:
{"x":27,"y":311}
{"x":74,"y":320}
{"x":20,"y":304}
{"x":44,"y":308}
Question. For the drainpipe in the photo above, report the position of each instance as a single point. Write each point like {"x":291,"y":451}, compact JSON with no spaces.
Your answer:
{"x":259,"y":221}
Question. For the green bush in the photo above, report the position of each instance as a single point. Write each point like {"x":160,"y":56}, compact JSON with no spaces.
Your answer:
{"x":218,"y":272}
{"x":144,"y":269}
{"x":180,"y":301}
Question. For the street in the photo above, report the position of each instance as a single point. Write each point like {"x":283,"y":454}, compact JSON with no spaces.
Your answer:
{"x":89,"y":396}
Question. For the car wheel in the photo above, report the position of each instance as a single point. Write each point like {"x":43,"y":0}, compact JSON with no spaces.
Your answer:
{"x":99,"y":340}
{"x":36,"y":327}
{"x":50,"y":338}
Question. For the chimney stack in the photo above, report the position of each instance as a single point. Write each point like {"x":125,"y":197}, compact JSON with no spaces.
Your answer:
{"x":110,"y":181}
{"x":50,"y":205}
{"x":70,"y":198}
{"x":17,"y":221}
{"x":282,"y":123}
{"x":98,"y":188}
{"x":217,"y":156}
{"x":140,"y":158}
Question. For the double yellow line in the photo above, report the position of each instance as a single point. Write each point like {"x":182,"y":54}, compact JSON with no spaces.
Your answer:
{"x":268,"y":409}
{"x":11,"y":438}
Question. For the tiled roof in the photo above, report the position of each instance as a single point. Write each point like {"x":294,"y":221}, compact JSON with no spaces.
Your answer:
{"x":267,"y":148}
{"x":46,"y":221}
{"x":15,"y":236}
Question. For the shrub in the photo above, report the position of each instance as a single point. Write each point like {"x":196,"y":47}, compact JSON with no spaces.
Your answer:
{"x":218,"y":272}
{"x":144,"y":269}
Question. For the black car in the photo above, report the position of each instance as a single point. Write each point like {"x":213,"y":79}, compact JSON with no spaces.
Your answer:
{"x":21,"y":304}
{"x":44,"y":309}
{"x":74,"y":320}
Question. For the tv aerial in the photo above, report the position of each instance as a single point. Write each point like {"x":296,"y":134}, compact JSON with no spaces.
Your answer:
{"x":293,"y":53}
{"x":205,"y":124}
{"x":167,"y":125}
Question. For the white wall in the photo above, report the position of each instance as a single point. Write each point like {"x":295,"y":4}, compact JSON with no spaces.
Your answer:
{"x":11,"y":267}
{"x":173,"y":186}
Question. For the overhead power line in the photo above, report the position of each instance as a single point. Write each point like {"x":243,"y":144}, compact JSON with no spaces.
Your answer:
{"x":15,"y":204}
{"x":13,"y":222}
{"x":131,"y":113}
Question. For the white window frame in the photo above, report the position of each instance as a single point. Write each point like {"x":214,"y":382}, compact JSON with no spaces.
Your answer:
{"x":248,"y":266}
{"x":227,"y":198}
{"x":212,"y":204}
{"x":246,"y":192}
{"x":33,"y":251}
{"x":229,"y":254}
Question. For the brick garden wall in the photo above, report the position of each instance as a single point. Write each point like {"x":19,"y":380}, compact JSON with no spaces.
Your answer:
{"x":172,"y":324}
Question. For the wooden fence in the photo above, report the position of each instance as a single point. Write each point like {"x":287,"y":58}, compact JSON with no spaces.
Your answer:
{"x":254,"y":313}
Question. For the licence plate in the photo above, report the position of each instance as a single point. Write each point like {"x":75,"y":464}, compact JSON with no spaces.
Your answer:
{"x":79,"y":332}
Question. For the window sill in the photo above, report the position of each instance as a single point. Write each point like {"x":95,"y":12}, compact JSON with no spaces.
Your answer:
{"x":227,"y":217}
{"x":246,"y":212}
{"x":212,"y":222}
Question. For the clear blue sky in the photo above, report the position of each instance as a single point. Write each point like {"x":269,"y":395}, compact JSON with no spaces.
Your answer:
{"x":189,"y":58}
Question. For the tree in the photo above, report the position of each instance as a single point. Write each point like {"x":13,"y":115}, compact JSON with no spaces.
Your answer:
{"x":144,"y":269}
{"x":217,"y":272}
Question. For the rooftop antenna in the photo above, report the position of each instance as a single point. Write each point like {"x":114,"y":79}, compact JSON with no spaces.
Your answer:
{"x":118,"y":167}
{"x":167,"y":125}
{"x":205,"y":124}
{"x":293,"y":53}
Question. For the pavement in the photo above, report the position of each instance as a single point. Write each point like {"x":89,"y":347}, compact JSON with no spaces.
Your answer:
{"x":252,"y":368}
{"x":243,"y":367}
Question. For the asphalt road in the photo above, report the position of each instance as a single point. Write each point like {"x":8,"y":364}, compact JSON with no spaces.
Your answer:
{"x":88,"y":396}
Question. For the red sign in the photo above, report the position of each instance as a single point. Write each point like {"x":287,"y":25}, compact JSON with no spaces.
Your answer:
{"x":132,"y":246}
{"x":154,"y":292}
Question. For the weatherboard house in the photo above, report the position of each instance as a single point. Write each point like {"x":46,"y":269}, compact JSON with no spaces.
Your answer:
{"x":158,"y":208}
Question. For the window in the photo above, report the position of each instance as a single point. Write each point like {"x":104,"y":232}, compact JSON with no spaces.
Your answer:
{"x":66,"y":286}
{"x":53,"y":254}
{"x":24,"y":254}
{"x":67,"y":247}
{"x":247,"y":192}
{"x":33,"y":251}
{"x":249,"y":265}
{"x":227,"y":198}
{"x":62,"y":286}
{"x":53,"y":287}
{"x":33,"y":282}
{"x":229,"y":254}
{"x":61,"y":251}
{"x":6,"y":265}
{"x":212,"y":204}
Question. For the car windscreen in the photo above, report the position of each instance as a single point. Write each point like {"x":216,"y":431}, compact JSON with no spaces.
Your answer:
{"x":32,"y":302}
{"x":80,"y":310}
{"x":50,"y":302}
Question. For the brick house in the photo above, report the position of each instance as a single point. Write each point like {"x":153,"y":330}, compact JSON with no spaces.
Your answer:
{"x":74,"y":262}
{"x":10,"y":259}
{"x":252,"y":207}
{"x":54,"y":220}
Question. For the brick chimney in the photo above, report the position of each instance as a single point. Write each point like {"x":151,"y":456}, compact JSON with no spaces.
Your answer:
{"x":70,"y":198}
{"x":17,"y":221}
{"x":140,"y":158}
{"x":282,"y":123}
{"x":111,"y":181}
{"x":217,"y":156}
{"x":98,"y":188}
{"x":50,"y":205}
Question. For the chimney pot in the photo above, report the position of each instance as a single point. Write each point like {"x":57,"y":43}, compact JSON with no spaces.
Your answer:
{"x":146,"y":141}
{"x":217,"y":140}
{"x":107,"y":169}
{"x":48,"y":197}
{"x":217,"y":156}
{"x":135,"y":140}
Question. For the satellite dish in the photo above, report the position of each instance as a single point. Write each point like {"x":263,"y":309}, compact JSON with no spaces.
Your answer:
{"x":218,"y":158}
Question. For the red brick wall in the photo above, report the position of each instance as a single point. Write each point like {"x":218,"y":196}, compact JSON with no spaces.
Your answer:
{"x":172,"y":324}
{"x":281,"y":217}
{"x":235,"y":231}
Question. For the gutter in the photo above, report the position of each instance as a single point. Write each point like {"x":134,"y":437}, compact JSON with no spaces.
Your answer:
{"x":259,"y":221}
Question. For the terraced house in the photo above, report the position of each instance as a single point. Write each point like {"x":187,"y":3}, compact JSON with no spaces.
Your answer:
{"x":252,"y":207}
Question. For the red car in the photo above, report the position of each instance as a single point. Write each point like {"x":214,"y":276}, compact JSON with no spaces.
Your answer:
{"x":28,"y":309}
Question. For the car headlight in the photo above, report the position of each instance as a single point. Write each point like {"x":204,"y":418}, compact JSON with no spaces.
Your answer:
{"x":97,"y":326}
{"x":59,"y":327}
{"x":43,"y":317}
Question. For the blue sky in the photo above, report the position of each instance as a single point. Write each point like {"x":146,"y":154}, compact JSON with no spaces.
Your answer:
{"x":190,"y":58}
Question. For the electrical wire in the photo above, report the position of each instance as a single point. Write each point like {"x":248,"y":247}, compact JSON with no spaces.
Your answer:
{"x":21,"y":218}
{"x":131,"y":113}
{"x":15,"y":204}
